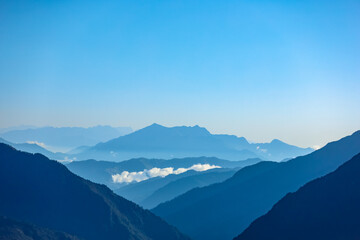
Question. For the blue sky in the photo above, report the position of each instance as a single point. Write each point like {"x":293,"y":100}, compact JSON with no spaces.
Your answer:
{"x":259,"y":69}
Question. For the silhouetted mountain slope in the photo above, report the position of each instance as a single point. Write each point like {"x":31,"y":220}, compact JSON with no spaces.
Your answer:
{"x":184,"y":184}
{"x":14,"y":230}
{"x":139,"y":191}
{"x":101,"y":171}
{"x":20,"y":127}
{"x":157,"y":141}
{"x":37,"y":190}
{"x":171,"y":185}
{"x":34,"y":148}
{"x":325,"y":208}
{"x":66,"y":137}
{"x":78,"y":150}
{"x":223,"y":210}
{"x":4,"y":141}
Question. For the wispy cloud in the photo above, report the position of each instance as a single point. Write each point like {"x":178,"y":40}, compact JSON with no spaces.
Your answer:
{"x":41,"y":144}
{"x":67,"y":160}
{"x":316,"y":147}
{"x":128,"y":177}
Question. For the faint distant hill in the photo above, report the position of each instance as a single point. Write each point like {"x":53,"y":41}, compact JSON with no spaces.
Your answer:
{"x":34,"y":148}
{"x":139,"y":191}
{"x":325,"y":208}
{"x":101,"y":171}
{"x":277,"y":150}
{"x":15,"y":230}
{"x":180,"y":186}
{"x":62,"y":138}
{"x":45,"y":193}
{"x":157,"y":141}
{"x":21,"y":127}
{"x":223,"y":210}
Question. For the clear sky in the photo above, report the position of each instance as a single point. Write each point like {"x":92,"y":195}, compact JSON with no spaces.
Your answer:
{"x":260,"y":69}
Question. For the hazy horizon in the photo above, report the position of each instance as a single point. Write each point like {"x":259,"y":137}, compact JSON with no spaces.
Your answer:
{"x":316,"y":146}
{"x":263,"y":70}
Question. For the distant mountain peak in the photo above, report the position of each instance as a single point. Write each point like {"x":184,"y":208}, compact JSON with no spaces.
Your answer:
{"x":277,"y":141}
{"x":194,"y":130}
{"x":156,"y":125}
{"x":178,"y":130}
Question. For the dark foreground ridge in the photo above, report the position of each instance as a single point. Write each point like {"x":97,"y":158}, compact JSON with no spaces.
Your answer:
{"x":45,"y":193}
{"x":14,"y":230}
{"x":326,"y":208}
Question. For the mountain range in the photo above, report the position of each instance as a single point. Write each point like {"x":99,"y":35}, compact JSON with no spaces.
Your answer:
{"x":46,"y":194}
{"x":223,"y":210}
{"x":154,"y":141}
{"x":157,"y":141}
{"x":325,"y":208}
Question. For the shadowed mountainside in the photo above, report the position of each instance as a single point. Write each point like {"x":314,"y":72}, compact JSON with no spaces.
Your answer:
{"x":43,"y":192}
{"x":34,"y":148}
{"x":184,"y":184}
{"x":14,"y":230}
{"x":325,"y":208}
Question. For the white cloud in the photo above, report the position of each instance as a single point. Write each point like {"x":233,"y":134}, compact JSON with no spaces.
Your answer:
{"x":41,"y":144}
{"x":261,"y":149}
{"x":67,"y":160}
{"x":316,"y":147}
{"x":114,"y":154}
{"x":128,"y":177}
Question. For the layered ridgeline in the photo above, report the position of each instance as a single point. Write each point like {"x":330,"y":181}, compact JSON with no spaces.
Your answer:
{"x":15,"y":230}
{"x":42,"y":192}
{"x":152,"y":192}
{"x":223,"y":210}
{"x":149,"y":182}
{"x":104,"y":171}
{"x":35,"y":148}
{"x":157,"y":141}
{"x":65,"y":138}
{"x":326,"y":208}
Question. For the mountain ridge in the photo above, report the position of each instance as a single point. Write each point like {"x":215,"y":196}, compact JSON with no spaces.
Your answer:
{"x":313,"y":211}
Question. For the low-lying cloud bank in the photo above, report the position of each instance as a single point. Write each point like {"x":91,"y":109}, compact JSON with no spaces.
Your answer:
{"x":128,"y":177}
